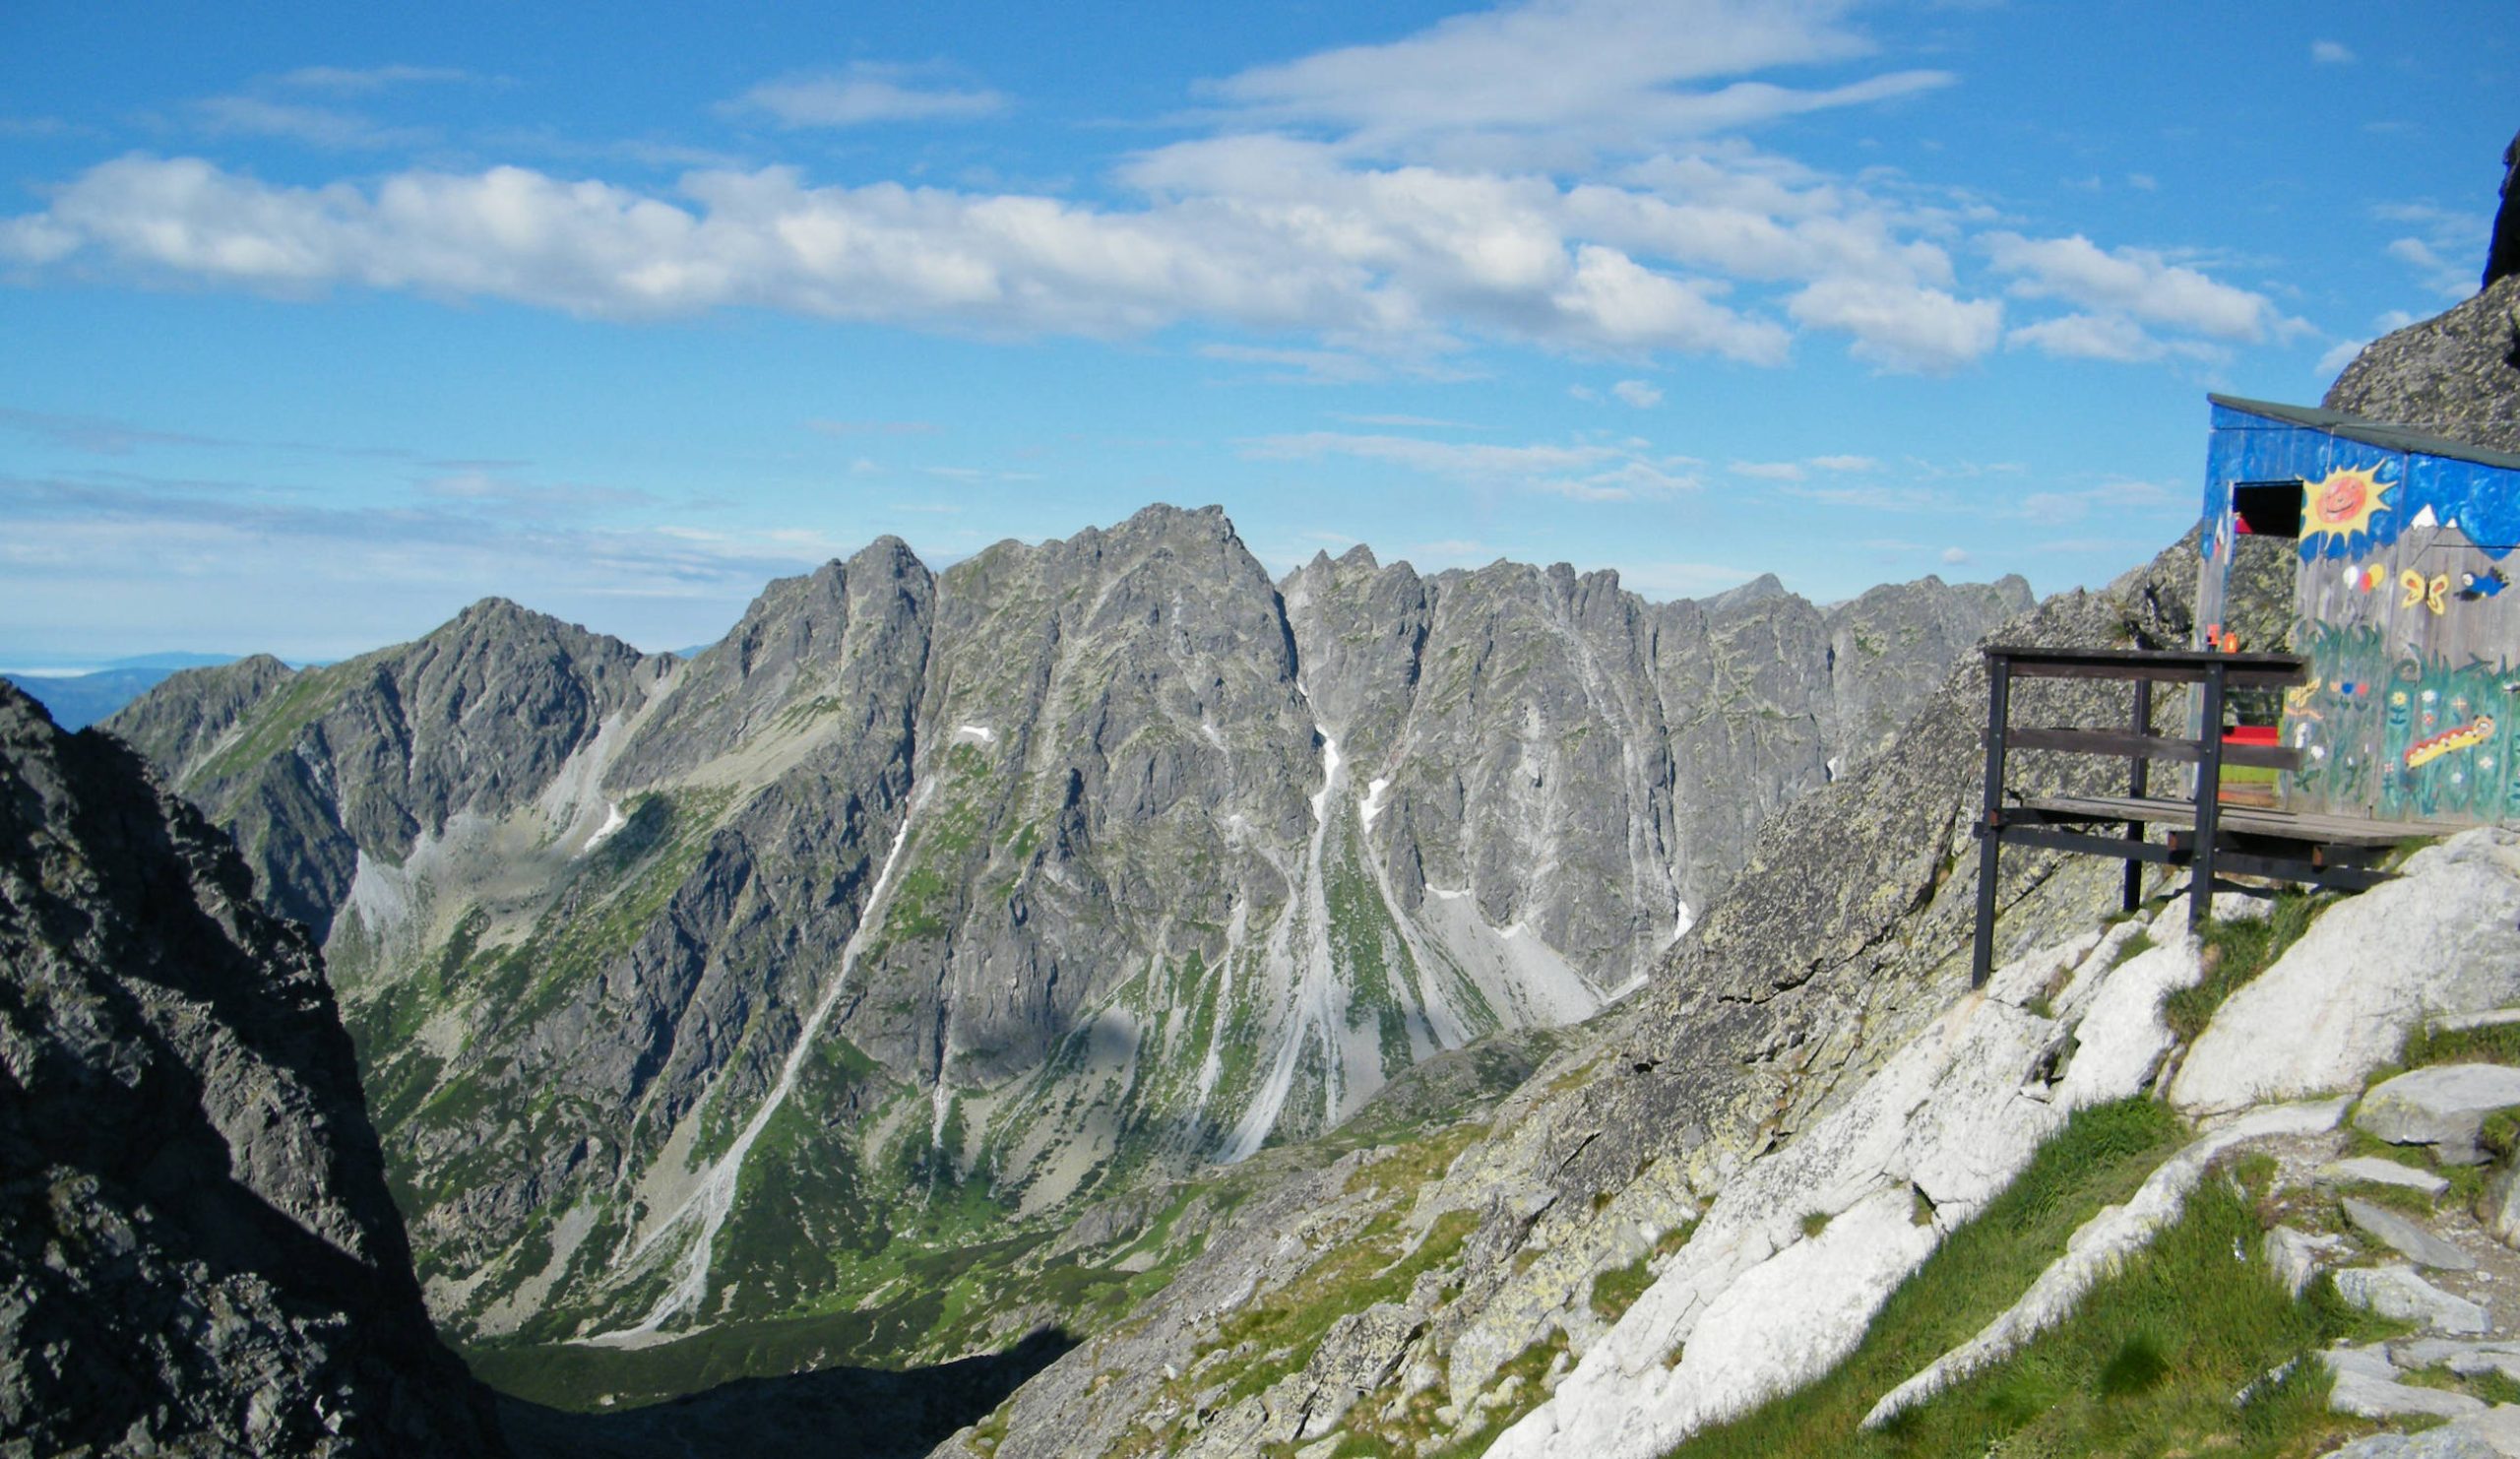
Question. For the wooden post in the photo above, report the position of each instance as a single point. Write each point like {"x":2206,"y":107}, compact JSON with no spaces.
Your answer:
{"x":1991,"y":821}
{"x":2209,"y":795}
{"x":2136,"y":780}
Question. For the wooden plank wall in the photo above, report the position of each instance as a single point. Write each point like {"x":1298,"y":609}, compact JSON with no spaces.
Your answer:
{"x":2413,"y":710}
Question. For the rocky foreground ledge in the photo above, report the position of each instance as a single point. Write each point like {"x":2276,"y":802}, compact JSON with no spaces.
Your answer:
{"x":197,"y":1251}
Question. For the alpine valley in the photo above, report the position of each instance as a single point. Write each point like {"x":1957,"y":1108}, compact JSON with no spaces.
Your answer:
{"x":815,"y":998}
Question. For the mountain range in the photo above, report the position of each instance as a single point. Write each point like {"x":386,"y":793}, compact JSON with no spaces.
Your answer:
{"x":925,"y":909}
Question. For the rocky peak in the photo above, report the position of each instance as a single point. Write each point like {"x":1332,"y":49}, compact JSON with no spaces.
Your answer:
{"x":1765,"y":586}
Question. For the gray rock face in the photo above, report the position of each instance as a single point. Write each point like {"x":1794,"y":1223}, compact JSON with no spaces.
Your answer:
{"x":2406,"y":1238}
{"x":310,"y":770}
{"x":978,"y":891}
{"x":2457,"y":374}
{"x":197,"y":1251}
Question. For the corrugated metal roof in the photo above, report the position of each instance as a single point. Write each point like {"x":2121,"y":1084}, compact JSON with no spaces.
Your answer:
{"x":2378,"y":433}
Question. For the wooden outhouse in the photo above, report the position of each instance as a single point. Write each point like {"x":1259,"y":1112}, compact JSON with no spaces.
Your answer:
{"x":2403,"y":607}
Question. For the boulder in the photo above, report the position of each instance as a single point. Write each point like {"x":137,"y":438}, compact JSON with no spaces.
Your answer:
{"x":2397,"y":1291}
{"x":2443,"y":1107}
{"x":2338,"y":1004}
{"x":2367,"y":1385}
{"x":2408,"y":1238}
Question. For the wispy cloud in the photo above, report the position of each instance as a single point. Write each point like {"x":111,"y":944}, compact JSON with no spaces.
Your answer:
{"x":865,"y":93}
{"x":326,"y":127}
{"x":1599,"y":73}
{"x":1638,"y":393}
{"x":360,"y":80}
{"x":2447,"y":248}
{"x":2331,"y":53}
{"x":2119,"y":291}
{"x":1590,"y":471}
{"x":825,"y":428}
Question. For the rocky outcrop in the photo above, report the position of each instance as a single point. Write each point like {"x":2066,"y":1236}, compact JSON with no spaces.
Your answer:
{"x":1101,"y":857}
{"x":198,"y":1254}
{"x":2456,"y":374}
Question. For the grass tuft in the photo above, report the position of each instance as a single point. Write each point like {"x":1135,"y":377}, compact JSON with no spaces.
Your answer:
{"x":2236,"y":952}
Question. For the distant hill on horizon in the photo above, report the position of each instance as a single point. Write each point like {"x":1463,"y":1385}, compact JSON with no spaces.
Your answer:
{"x":77,"y":700}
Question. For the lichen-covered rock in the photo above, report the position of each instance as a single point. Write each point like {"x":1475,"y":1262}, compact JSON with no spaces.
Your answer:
{"x":2457,"y":374}
{"x":198,"y":1254}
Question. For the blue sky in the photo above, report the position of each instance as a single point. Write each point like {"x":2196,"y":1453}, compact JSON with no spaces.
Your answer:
{"x":322,"y":321}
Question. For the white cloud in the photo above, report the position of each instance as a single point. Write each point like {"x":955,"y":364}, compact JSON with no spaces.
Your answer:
{"x":865,"y":93}
{"x":1769,"y":470}
{"x":1846,"y":463}
{"x":1954,"y":556}
{"x":1398,"y":231}
{"x":2135,"y":283}
{"x":1638,"y":393}
{"x":1899,"y":326}
{"x":1396,"y":271}
{"x":2331,"y":53}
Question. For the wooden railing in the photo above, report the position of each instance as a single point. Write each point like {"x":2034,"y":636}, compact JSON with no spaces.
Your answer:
{"x":2034,"y":822}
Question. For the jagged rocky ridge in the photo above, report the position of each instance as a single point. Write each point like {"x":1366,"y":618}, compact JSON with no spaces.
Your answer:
{"x":198,"y":1254}
{"x":923,"y":903}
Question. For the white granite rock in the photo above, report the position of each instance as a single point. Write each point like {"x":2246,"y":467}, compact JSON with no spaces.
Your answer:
{"x":2373,"y":1170}
{"x":2397,"y":1291}
{"x":2340,"y":1002}
{"x":2443,"y":1107}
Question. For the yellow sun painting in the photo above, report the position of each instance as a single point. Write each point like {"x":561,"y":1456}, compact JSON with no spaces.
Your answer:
{"x":2337,"y":513}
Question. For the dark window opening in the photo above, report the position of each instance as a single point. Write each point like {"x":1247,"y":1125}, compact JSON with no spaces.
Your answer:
{"x":2269,"y":508}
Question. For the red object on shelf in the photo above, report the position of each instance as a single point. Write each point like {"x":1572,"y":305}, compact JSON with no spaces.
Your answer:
{"x":2246,"y":788}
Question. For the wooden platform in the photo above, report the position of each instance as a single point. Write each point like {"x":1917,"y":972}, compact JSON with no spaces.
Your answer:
{"x":2283,"y":825}
{"x":2205,"y":834}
